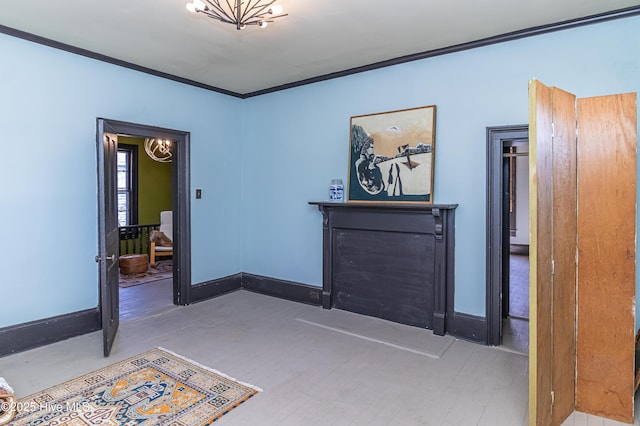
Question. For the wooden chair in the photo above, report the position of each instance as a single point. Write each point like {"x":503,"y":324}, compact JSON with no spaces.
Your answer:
{"x":166,"y":227}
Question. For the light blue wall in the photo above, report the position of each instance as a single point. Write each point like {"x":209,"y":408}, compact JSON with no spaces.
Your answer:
{"x":298,"y":139}
{"x":49,"y":101}
{"x":256,"y":219}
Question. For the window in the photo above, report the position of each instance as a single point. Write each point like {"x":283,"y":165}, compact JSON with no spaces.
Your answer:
{"x":127,"y":184}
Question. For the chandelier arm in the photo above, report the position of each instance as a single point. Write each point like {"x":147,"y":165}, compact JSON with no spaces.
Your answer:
{"x":232,"y":10}
{"x":218,"y":18}
{"x":212,"y":14}
{"x":258,"y":20}
{"x":246,"y":10}
{"x":249,"y":12}
{"x":221,"y":13}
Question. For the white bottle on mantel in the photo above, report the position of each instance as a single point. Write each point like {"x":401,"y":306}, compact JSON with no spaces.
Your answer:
{"x":336,"y":191}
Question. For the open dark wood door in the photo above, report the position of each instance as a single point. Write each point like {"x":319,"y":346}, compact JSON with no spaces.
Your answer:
{"x":506,"y":239}
{"x":108,"y":234}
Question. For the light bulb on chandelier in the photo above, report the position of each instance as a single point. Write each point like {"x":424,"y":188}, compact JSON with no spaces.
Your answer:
{"x":241,"y":13}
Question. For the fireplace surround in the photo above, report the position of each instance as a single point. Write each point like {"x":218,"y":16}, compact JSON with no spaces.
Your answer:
{"x":391,"y":261}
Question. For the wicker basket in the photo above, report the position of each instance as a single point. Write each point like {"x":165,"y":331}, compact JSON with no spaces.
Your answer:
{"x":131,"y":264}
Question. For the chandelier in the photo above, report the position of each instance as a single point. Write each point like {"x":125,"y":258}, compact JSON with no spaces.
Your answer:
{"x":241,"y":13}
{"x":158,"y":149}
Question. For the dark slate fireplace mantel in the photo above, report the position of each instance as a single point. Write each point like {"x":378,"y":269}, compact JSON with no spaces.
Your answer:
{"x":392,"y":261}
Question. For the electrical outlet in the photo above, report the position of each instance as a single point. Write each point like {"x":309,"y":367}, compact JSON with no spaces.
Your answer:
{"x":314,"y":295}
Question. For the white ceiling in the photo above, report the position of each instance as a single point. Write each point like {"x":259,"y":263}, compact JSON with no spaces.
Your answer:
{"x":318,"y":37}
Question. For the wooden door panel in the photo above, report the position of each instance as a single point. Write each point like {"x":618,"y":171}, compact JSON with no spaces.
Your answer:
{"x":552,"y":254}
{"x":108,"y":235}
{"x":606,"y":255}
{"x":540,"y":294}
{"x":564,"y":255}
{"x":582,"y":197}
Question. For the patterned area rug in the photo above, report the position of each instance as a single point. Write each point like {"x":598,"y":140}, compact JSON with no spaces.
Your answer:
{"x":157,"y":387}
{"x":162,"y":270}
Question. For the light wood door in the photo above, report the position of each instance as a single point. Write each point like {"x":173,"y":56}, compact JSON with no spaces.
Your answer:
{"x":552,"y":157}
{"x":563,"y":255}
{"x":606,"y":255}
{"x":582,"y":255}
{"x":540,"y":170}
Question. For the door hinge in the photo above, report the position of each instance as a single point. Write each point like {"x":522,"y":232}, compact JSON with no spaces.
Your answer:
{"x":553,"y":267}
{"x":553,"y":397}
{"x":553,"y":129}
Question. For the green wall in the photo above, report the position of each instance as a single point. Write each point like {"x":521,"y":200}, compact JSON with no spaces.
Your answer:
{"x":154,"y":184}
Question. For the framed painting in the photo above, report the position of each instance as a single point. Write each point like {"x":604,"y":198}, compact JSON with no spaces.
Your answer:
{"x":391,"y":156}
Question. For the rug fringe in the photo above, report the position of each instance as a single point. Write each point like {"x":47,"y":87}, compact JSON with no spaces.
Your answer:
{"x":213,"y":370}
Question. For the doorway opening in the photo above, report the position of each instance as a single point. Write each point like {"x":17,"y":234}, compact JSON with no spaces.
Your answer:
{"x":508,"y":237}
{"x":109,"y":236}
{"x":144,"y":193}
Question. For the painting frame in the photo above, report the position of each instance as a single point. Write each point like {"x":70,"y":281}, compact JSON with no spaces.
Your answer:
{"x":386,"y":152}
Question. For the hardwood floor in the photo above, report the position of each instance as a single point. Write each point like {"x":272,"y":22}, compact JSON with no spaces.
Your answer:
{"x":515,"y":335}
{"x":146,"y":299}
{"x":515,"y":328}
{"x":309,"y":375}
{"x":519,"y":286}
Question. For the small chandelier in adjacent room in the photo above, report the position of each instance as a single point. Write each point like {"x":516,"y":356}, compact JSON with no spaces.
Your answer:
{"x":158,"y":149}
{"x":241,"y":13}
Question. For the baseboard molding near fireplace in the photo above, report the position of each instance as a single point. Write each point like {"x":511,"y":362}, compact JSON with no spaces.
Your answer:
{"x":25,"y":336}
{"x":268,"y":286}
{"x":30,"y":335}
{"x":467,"y":327}
{"x":463,"y":326}
{"x":289,"y":290}
{"x":214,"y":288}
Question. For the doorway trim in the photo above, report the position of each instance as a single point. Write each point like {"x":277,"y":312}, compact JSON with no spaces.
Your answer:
{"x":180,"y":200}
{"x":497,"y":139}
